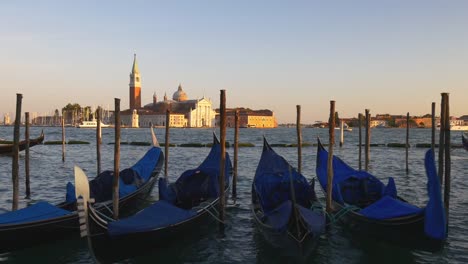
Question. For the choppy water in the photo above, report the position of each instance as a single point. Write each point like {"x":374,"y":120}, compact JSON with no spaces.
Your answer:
{"x":242,"y":243}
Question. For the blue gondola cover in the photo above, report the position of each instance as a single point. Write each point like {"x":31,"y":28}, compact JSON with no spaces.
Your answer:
{"x":435,"y":222}
{"x":158,"y":215}
{"x":36,"y":212}
{"x":388,"y":207}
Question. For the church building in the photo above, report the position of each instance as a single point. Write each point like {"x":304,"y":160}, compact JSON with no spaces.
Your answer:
{"x":183,"y":111}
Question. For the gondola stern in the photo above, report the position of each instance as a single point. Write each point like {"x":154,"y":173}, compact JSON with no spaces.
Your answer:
{"x":153,"y":137}
{"x":215,"y":139}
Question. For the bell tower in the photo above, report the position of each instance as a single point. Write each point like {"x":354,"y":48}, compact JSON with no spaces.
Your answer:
{"x":135,"y":86}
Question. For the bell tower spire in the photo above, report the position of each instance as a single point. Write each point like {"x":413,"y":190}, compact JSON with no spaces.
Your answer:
{"x":135,"y":86}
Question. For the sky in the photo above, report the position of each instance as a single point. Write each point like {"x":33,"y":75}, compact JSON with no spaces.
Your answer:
{"x":386,"y":56}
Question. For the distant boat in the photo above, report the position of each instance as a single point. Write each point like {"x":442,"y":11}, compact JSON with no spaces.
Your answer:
{"x":90,"y":124}
{"x":345,"y":128}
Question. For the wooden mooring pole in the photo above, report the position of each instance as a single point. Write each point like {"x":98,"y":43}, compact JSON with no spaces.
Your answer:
{"x":115,"y":186}
{"x":448,"y":162}
{"x":368,"y":136}
{"x":236,"y":154}
{"x":360,"y":140}
{"x":341,"y":133}
{"x":63,"y":139}
{"x":331,"y":141}
{"x":433,"y":127}
{"x":299,"y":139}
{"x":407,"y":141}
{"x":15,"y":163}
{"x":26,"y":158}
{"x":166,"y":144}
{"x":441,"y":140}
{"x":98,"y":140}
{"x":222,"y":128}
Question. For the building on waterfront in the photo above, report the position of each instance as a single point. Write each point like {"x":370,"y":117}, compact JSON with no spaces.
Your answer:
{"x":249,"y":118}
{"x":6,"y":119}
{"x":183,"y":111}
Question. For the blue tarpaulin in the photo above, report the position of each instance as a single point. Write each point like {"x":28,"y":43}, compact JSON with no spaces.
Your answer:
{"x":38,"y":211}
{"x":388,"y":207}
{"x":272,"y":182}
{"x":435,"y":222}
{"x":160,"y":214}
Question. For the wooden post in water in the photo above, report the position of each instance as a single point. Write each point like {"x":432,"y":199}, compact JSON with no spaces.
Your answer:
{"x":331,"y":140}
{"x":447,"y":179}
{"x":299,"y":139}
{"x":367,"y":147}
{"x":222,"y":128}
{"x":115,"y":186}
{"x":15,"y":163}
{"x":98,"y":140}
{"x":441,"y":140}
{"x":341,"y":133}
{"x":26,"y":159}
{"x":407,"y":141}
{"x":166,"y":144}
{"x":360,"y":140}
{"x":63,"y":138}
{"x":236,"y":154}
{"x":433,"y":128}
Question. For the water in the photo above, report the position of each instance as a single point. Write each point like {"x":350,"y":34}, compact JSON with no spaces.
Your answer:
{"x":242,"y":243}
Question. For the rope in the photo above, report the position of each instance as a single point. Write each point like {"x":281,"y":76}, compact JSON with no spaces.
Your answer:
{"x":341,"y":213}
{"x":213,"y":215}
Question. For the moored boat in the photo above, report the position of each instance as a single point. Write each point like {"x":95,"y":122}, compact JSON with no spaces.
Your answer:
{"x":285,"y":207}
{"x":374,"y":210}
{"x":8,"y":148}
{"x":44,"y":222}
{"x":183,"y":208}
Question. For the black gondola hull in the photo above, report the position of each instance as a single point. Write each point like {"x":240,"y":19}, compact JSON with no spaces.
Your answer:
{"x":39,"y":232}
{"x":7,"y":149}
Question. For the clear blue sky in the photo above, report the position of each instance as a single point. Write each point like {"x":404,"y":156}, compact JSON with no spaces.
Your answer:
{"x":388,"y":56}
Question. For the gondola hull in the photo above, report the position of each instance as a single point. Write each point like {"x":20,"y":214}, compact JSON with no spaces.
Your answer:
{"x":19,"y":236}
{"x":7,"y":149}
{"x":16,"y":237}
{"x":285,"y":207}
{"x":284,"y":241}
{"x":108,"y":249}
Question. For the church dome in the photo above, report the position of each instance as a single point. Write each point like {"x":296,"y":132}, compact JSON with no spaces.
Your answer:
{"x":180,"y":95}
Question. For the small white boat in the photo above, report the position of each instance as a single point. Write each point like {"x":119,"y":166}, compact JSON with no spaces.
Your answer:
{"x":90,"y":124}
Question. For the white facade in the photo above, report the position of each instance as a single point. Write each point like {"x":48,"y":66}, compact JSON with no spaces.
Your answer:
{"x":146,"y":120}
{"x":135,"y":119}
{"x":203,"y":115}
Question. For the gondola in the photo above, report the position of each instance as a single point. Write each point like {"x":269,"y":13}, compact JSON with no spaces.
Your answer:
{"x":8,"y":147}
{"x":183,"y":208}
{"x":465,"y":140}
{"x":285,"y":207}
{"x":372,"y":209}
{"x":44,"y":222}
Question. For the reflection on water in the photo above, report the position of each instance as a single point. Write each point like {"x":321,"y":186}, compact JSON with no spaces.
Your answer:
{"x":242,"y":243}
